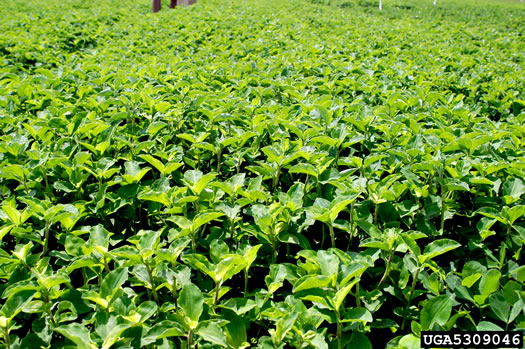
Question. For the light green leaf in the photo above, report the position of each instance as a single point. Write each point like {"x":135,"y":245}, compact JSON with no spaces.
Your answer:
{"x":191,"y":301}
{"x":211,"y":332}
{"x":436,"y":248}
{"x":436,"y":311}
{"x":113,"y":281}
{"x":311,"y":281}
{"x":78,"y":334}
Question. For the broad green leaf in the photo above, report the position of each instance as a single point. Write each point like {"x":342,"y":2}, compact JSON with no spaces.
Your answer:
{"x":114,"y":335}
{"x":500,"y":307}
{"x":304,"y":168}
{"x":199,"y":262}
{"x":284,"y":325}
{"x":492,"y":213}
{"x":328,"y":262}
{"x":411,"y":243}
{"x":410,"y":341}
{"x":488,"y":284}
{"x":162,"y":106}
{"x":78,"y":334}
{"x":515,"y":212}
{"x":311,"y":281}
{"x":436,"y":248}
{"x":218,"y":249}
{"x":436,"y":311}
{"x":113,"y":281}
{"x":133,"y":172}
{"x":357,"y":314}
{"x":16,"y":302}
{"x":470,"y":280}
{"x":340,"y":204}
{"x":204,"y":218}
{"x":359,"y":340}
{"x":229,"y":266}
{"x":513,"y":189}
{"x":182,"y":222}
{"x":488,"y":326}
{"x":191,"y":301}
{"x":154,"y":162}
{"x":211,"y":332}
{"x":235,"y":330}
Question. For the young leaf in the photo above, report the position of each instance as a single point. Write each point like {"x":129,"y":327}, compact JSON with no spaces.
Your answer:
{"x":436,"y":311}
{"x":436,"y":248}
{"x":113,"y":281}
{"x":78,"y":334}
{"x":191,"y":301}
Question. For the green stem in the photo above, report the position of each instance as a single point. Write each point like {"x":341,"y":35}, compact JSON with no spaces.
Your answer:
{"x":323,"y":234}
{"x":219,"y":153}
{"x":442,"y":219}
{"x":193,"y":241}
{"x":351,"y":226}
{"x":190,"y":339}
{"x":46,"y":182}
{"x":387,"y":270}
{"x":231,"y":230}
{"x":339,"y":332}
{"x":152,"y":282}
{"x":357,"y":298}
{"x":106,"y":266}
{"x":410,"y":295}
{"x":306,"y":184}
{"x":25,"y":184}
{"x":217,"y":287}
{"x":7,"y":340}
{"x":46,"y":238}
{"x":276,"y":179}
{"x":332,"y":235}
{"x":245,"y":282}
{"x":274,"y":247}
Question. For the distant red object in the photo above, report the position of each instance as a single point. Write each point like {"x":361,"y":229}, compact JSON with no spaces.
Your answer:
{"x":173,"y":4}
{"x":156,"y":5}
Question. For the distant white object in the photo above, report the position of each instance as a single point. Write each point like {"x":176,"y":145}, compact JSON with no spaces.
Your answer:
{"x":185,"y":2}
{"x":380,"y":5}
{"x":435,"y":2}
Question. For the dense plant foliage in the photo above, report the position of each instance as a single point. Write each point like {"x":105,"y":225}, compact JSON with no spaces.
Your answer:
{"x":259,"y":174}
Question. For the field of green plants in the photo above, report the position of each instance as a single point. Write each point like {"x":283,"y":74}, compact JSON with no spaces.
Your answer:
{"x":260,"y":174}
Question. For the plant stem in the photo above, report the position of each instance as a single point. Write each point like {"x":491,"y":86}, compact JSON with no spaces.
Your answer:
{"x":332,"y":235}
{"x":219,"y":153}
{"x":190,"y":339}
{"x":351,"y":226}
{"x":276,"y":178}
{"x":217,"y":287}
{"x":7,"y":340}
{"x":387,"y":269}
{"x":442,"y":219}
{"x":193,"y":241}
{"x":245,"y":283}
{"x":153,"y":288}
{"x":46,"y":238}
{"x":339,"y":332}
{"x":410,"y":295}
{"x":46,"y":182}
{"x":357,"y":298}
{"x":106,"y":266}
{"x":306,"y":184}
